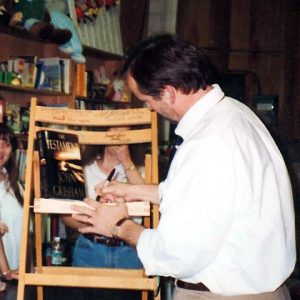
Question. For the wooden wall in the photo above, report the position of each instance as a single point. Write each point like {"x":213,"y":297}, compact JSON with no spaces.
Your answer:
{"x":258,"y":38}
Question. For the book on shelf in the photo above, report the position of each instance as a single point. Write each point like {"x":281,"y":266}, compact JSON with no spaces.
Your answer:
{"x":24,"y":119}
{"x":51,"y":74}
{"x":12,"y":117}
{"x":62,"y":176}
{"x":21,"y":159}
{"x":1,"y":109}
{"x":65,"y":64}
{"x":39,"y":78}
{"x":29,"y":77}
{"x":80,"y":80}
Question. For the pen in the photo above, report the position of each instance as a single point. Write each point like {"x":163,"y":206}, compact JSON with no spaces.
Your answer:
{"x":110,"y":176}
{"x":107,"y":180}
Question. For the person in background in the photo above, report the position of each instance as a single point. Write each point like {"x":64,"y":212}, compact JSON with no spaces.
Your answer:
{"x":11,"y":202}
{"x":95,"y":251}
{"x":227,"y":227}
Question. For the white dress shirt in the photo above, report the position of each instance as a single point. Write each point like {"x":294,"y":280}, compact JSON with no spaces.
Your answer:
{"x":227,"y":217}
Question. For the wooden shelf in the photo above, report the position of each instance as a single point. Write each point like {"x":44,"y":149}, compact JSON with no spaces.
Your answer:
{"x":21,"y":89}
{"x":93,"y":52}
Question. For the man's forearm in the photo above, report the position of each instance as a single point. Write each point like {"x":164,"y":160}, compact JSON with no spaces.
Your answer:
{"x":130,"y":232}
{"x":144,"y":192}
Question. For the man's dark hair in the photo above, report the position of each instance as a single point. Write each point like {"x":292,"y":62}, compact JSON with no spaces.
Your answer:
{"x":166,"y":59}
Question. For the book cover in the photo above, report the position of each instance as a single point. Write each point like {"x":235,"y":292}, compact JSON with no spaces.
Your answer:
{"x":61,"y":173}
{"x":29,"y":75}
{"x":51,"y":77}
{"x":12,"y":117}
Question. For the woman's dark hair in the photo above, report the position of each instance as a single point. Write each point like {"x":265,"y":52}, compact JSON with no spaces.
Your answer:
{"x":166,"y":59}
{"x":89,"y":153}
{"x":12,"y":172}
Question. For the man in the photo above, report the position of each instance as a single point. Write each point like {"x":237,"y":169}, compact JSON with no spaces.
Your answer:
{"x":227,"y":218}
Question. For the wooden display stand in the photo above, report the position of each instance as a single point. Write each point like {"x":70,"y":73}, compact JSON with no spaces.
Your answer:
{"x":81,"y":119}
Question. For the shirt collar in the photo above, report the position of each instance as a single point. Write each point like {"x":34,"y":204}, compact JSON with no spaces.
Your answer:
{"x":197,"y":111}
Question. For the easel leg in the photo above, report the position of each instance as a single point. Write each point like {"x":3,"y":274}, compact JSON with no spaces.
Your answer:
{"x":40,"y":294}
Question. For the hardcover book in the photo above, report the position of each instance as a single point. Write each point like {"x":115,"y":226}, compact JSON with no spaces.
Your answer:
{"x":61,"y":173}
{"x":51,"y":74}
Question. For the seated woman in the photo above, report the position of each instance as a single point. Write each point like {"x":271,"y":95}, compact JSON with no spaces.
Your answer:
{"x":11,"y":202}
{"x":98,"y":161}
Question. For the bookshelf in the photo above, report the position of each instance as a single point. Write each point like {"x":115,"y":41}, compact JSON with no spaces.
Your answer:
{"x":15,"y":43}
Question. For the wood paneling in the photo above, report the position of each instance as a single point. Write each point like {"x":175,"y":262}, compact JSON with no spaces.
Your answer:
{"x":134,"y":21}
{"x":259,"y":38}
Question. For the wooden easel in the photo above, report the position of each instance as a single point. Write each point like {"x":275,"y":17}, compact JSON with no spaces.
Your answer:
{"x":41,"y":275}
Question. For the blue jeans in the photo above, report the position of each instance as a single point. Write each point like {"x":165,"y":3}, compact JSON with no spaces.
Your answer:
{"x":90,"y":254}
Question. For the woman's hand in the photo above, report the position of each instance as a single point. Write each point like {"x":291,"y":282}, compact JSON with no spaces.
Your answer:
{"x":11,"y":274}
{"x":122,"y":153}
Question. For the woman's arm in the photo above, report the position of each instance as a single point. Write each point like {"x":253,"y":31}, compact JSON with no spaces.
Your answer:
{"x":6,"y":272}
{"x":132,"y":173}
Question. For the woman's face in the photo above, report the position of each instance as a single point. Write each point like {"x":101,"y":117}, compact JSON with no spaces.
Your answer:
{"x":115,"y":149}
{"x":5,"y":151}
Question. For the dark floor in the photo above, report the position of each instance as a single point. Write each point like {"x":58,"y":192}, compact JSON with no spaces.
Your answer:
{"x":62,"y":293}
{"x":58,"y":293}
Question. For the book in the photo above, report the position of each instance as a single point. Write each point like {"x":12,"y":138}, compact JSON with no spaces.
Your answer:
{"x":1,"y":109}
{"x":51,"y":74}
{"x":21,"y":159}
{"x":24,"y":119}
{"x":61,"y":173}
{"x":12,"y":117}
{"x":29,"y":77}
{"x":39,"y":78}
{"x":80,"y":80}
{"x":65,"y":64}
{"x":57,"y":206}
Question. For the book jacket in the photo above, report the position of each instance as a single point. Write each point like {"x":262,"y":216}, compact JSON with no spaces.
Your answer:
{"x":61,"y":172}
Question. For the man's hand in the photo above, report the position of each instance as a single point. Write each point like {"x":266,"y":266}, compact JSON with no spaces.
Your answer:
{"x":114,"y":192}
{"x":102,"y":219}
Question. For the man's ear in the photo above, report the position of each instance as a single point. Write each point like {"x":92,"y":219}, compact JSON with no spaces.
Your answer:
{"x":170,"y":93}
